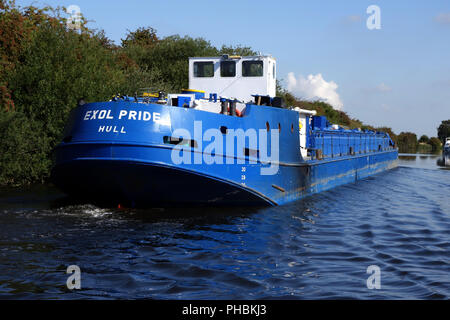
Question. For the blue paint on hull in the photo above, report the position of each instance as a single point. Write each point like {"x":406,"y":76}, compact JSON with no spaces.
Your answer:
{"x":128,"y":161}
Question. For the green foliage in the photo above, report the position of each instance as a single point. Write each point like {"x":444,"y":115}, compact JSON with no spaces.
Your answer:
{"x":288,"y":97}
{"x":57,"y":68}
{"x":237,"y":50}
{"x":138,"y":78}
{"x":142,"y":37}
{"x":323,"y":109}
{"x":444,"y":130}
{"x":424,"y":139}
{"x":436,"y":144}
{"x":424,"y":148}
{"x":46,"y":69}
{"x":170,"y":57}
{"x":24,"y":149}
{"x":407,"y":142}
{"x":429,"y":145}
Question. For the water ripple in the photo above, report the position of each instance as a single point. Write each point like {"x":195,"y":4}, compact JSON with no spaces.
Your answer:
{"x":317,"y":248}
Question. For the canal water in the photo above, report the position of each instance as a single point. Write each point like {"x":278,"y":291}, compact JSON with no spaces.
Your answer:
{"x":321,"y":247}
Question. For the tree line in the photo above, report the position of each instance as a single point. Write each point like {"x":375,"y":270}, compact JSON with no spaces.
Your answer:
{"x":407,"y":142}
{"x":46,"y":67}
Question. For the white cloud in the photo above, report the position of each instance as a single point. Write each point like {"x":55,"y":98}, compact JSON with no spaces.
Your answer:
{"x":314,"y":87}
{"x":383,"y":87}
{"x":443,"y":18}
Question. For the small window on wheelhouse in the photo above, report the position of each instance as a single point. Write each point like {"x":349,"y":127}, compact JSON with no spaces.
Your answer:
{"x":228,"y":68}
{"x":203,"y":69}
{"x":252,"y":68}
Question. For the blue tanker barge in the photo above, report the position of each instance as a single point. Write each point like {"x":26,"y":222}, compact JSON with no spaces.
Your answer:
{"x":231,"y":143}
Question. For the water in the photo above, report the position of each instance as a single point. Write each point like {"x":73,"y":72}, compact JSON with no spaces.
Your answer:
{"x":316,"y":248}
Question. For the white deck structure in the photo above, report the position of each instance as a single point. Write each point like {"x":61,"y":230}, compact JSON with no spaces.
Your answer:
{"x":233,"y":76}
{"x":302,"y":118}
{"x":236,"y":77}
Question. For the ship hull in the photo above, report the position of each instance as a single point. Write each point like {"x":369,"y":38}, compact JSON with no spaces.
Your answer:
{"x":124,"y":161}
{"x":143,"y":182}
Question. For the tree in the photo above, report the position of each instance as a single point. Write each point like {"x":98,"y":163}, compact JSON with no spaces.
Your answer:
{"x":288,"y":97}
{"x":24,"y":149}
{"x":444,"y":130}
{"x":407,"y":142}
{"x":47,"y":86}
{"x":424,"y":139}
{"x":435,"y":143}
{"x":237,"y":50}
{"x":171,"y":57}
{"x":46,"y":68}
{"x":143,"y":37}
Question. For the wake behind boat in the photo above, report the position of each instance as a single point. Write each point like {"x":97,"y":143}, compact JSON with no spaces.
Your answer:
{"x":228,"y":140}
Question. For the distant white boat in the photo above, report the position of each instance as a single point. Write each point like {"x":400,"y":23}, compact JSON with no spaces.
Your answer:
{"x":446,"y":152}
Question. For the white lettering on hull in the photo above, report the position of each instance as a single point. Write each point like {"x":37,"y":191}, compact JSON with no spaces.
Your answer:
{"x":123,"y":114}
{"x":113,"y":129}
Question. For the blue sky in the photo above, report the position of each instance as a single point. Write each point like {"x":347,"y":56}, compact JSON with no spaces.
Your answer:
{"x":397,"y":76}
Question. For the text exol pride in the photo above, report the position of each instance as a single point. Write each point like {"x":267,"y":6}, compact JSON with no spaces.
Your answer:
{"x":123,"y":114}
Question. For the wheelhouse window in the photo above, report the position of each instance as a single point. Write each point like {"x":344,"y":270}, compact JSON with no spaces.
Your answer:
{"x":203,"y":69}
{"x":228,"y":68}
{"x":252,"y":68}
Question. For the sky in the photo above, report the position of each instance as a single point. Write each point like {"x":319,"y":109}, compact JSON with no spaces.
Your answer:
{"x":396,"y":75}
